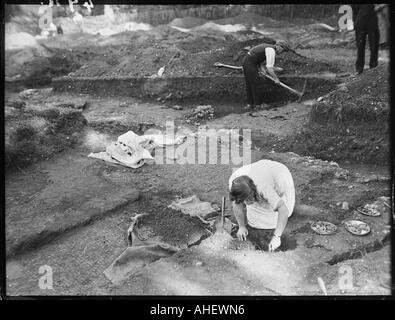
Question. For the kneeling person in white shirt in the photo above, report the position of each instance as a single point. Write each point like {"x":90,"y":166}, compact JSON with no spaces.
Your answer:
{"x":263,"y":197}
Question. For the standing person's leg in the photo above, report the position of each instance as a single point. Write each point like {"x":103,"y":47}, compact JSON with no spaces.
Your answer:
{"x":360,"y":37}
{"x":374,"y":43}
{"x":257,"y":89}
{"x":250,"y":100}
{"x":248,"y":70}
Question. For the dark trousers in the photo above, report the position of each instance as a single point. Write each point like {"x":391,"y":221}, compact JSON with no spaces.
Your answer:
{"x":372,"y":32}
{"x":253,"y":81}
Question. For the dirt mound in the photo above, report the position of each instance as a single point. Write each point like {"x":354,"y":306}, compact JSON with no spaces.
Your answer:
{"x":25,"y":22}
{"x":290,"y":61}
{"x":315,"y":37}
{"x":250,"y":19}
{"x":142,"y":53}
{"x":146,"y":52}
{"x":19,"y":41}
{"x":364,"y":98}
{"x":350,"y":123}
{"x":187,"y":22}
{"x":33,"y":133}
{"x":220,"y":28}
{"x":36,"y":66}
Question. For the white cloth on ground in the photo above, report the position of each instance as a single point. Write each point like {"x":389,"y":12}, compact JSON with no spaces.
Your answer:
{"x":193,"y":207}
{"x":274,"y":183}
{"x":133,"y":151}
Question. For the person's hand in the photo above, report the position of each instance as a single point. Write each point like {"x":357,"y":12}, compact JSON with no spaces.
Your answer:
{"x":275,"y":243}
{"x":276,"y":81}
{"x":242,"y":233}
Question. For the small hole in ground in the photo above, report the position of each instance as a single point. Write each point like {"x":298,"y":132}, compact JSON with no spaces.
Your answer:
{"x":261,"y":238}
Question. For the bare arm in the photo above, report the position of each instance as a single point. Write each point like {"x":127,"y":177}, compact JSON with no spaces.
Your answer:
{"x":281,"y":224}
{"x":270,"y":58}
{"x":271,"y":73}
{"x":282,"y":221}
{"x":239,"y":211}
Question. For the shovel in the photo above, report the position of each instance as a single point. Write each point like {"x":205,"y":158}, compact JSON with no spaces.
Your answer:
{"x":300,"y":94}
{"x":223,"y":212}
{"x":162,"y":69}
{"x":218,"y":64}
{"x":222,"y":224}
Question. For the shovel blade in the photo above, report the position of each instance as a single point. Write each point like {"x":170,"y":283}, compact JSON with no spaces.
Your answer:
{"x":161,"y":71}
{"x":303,"y":91}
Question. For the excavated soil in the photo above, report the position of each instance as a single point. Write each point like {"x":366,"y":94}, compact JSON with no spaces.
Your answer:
{"x":142,"y":53}
{"x":35,"y":133}
{"x":350,"y":123}
{"x":80,"y":212}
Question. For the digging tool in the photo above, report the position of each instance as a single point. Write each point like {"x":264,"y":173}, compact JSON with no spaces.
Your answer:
{"x":300,"y":94}
{"x":322,"y":285}
{"x":218,"y":64}
{"x":386,"y":204}
{"x":223,"y":212}
{"x":135,"y":220}
{"x":162,"y":69}
{"x":221,"y":223}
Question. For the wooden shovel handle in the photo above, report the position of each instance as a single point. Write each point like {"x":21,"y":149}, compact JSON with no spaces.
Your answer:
{"x":218,"y":64}
{"x":223,"y":211}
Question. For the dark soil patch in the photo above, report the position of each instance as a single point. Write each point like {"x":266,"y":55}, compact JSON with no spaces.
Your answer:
{"x":362,"y":143}
{"x":261,"y":239}
{"x":174,"y":227}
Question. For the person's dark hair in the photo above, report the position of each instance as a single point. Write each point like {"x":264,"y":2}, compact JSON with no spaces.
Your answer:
{"x":242,"y":188}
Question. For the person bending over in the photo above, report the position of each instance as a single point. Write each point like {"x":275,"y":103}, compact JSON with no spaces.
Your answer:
{"x":257,"y":60}
{"x":263,"y":197}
